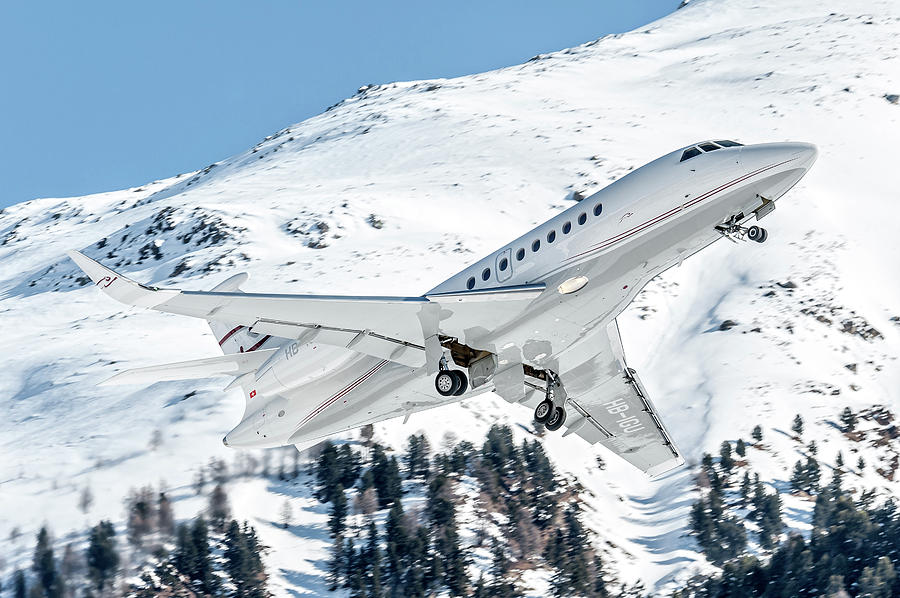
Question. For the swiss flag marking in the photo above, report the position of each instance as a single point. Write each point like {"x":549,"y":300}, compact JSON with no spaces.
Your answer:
{"x":252,"y":393}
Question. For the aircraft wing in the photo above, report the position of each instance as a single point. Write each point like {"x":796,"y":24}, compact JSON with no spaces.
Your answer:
{"x":608,"y":404}
{"x":393,"y":328}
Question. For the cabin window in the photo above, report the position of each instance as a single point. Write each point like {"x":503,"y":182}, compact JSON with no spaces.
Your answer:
{"x":567,"y":227}
{"x":582,"y":218}
{"x":689,"y":153}
{"x":551,"y":236}
{"x":470,"y":284}
{"x":597,"y":209}
{"x":504,"y":264}
{"x":709,"y":147}
{"x":536,"y":245}
{"x":727,"y":143}
{"x":520,"y":255}
{"x":486,"y":274}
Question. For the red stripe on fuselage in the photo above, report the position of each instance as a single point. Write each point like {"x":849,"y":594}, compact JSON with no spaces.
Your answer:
{"x":338,"y":395}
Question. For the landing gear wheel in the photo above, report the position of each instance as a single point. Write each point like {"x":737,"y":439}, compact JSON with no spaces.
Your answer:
{"x":765,"y":236}
{"x":543,"y":411}
{"x":446,"y":383}
{"x":757,"y":233}
{"x":462,"y":382}
{"x":556,"y":420}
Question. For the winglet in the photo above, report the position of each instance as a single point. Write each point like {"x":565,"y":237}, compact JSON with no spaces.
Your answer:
{"x":120,"y":287}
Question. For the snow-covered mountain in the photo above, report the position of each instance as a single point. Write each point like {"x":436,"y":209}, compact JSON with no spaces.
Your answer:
{"x":403,"y":184}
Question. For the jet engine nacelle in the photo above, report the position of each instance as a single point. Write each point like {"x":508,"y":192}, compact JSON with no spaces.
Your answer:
{"x":298,"y":363}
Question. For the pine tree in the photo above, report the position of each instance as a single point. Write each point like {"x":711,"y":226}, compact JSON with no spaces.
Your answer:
{"x":797,"y":426}
{"x":861,"y":464}
{"x":328,"y":472}
{"x":745,"y":487}
{"x":337,"y":514}
{"x":757,"y":434}
{"x":725,"y":458}
{"x":386,"y":478}
{"x":20,"y":588}
{"x":165,"y":517}
{"x":349,"y":465}
{"x":102,"y":555}
{"x":141,"y":514}
{"x":813,"y":448}
{"x":501,"y":586}
{"x":416,"y":458}
{"x":740,"y":448}
{"x":236,"y":557}
{"x":336,"y":564}
{"x":373,"y":563}
{"x":813,"y":473}
{"x":848,"y":418}
{"x":219,"y":510}
{"x":44,"y":566}
{"x":798,"y":477}
{"x":396,"y":540}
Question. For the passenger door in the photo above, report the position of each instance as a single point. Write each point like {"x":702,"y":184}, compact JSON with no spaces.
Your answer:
{"x":503,"y":265}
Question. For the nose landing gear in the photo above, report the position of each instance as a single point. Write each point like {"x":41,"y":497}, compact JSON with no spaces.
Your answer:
{"x":733,"y":231}
{"x":757,"y":233}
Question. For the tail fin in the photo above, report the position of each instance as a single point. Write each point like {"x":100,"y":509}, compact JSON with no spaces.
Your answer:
{"x":235,"y":339}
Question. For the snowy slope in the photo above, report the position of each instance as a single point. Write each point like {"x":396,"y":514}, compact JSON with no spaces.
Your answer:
{"x":403,"y":184}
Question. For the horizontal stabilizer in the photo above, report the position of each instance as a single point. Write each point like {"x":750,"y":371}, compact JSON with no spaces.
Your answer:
{"x":235,"y":364}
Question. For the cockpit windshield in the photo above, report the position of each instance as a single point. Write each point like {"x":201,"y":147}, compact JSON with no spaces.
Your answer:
{"x":707,"y":146}
{"x":690,"y":153}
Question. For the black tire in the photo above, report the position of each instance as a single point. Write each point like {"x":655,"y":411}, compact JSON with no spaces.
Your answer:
{"x":543,"y":411}
{"x":755,"y":233}
{"x":557,"y":420}
{"x":765,"y":235}
{"x":446,"y":383}
{"x":462,"y":382}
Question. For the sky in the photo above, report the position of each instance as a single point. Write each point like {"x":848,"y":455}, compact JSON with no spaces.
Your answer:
{"x":105,"y":95}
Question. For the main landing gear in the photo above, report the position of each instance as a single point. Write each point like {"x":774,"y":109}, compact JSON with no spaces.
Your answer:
{"x":450,"y":383}
{"x":732,"y":230}
{"x":552,"y":410}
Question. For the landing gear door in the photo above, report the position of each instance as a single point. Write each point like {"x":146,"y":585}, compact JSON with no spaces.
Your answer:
{"x":503,"y":267}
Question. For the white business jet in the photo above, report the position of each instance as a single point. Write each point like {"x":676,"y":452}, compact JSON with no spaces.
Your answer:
{"x":534,"y":321}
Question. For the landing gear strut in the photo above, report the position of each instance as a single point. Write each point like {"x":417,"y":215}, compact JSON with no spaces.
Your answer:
{"x":450,"y":383}
{"x":732,"y":230}
{"x":552,"y":410}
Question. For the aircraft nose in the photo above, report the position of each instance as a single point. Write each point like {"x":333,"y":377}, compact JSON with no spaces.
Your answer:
{"x":806,"y":152}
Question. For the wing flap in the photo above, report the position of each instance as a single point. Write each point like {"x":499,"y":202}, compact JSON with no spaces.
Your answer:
{"x":235,"y":364}
{"x":609,"y":405}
